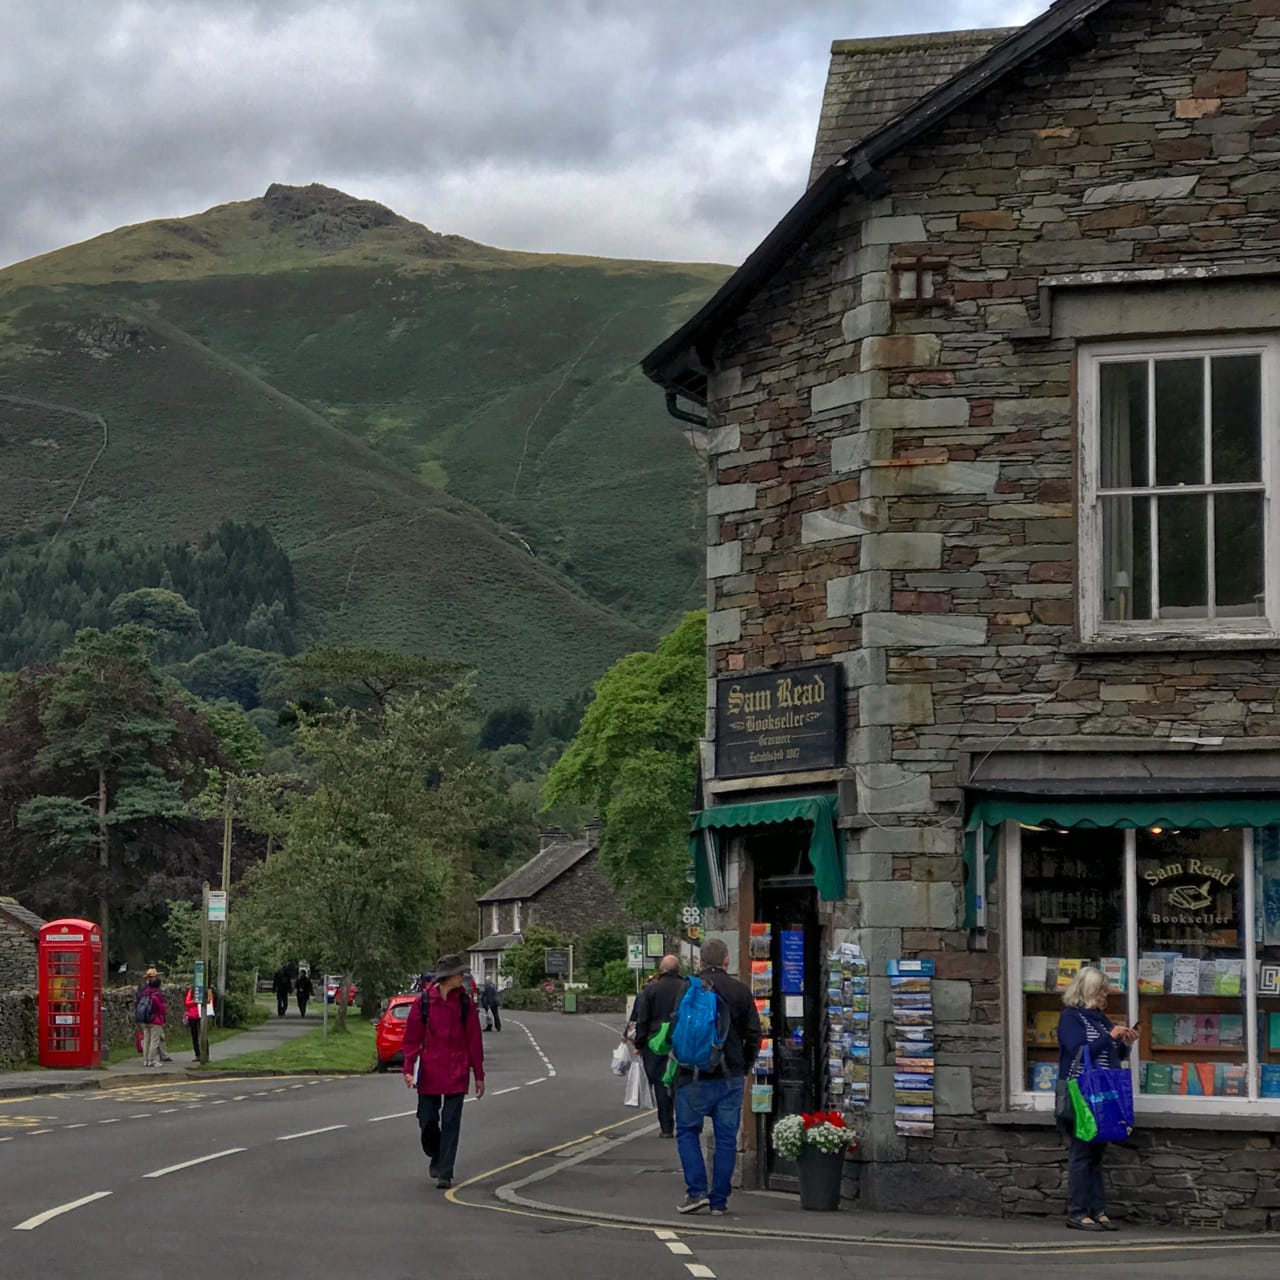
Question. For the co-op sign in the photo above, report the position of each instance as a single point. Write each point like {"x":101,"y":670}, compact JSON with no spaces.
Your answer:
{"x":779,"y":722}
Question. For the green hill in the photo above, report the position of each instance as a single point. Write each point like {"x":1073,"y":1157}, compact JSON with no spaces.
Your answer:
{"x":452,"y":442}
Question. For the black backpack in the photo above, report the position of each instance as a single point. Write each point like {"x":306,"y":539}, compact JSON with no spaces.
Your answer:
{"x":144,"y":1010}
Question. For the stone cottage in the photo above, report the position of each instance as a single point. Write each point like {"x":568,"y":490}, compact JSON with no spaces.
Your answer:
{"x":561,"y":887}
{"x":992,"y":428}
{"x":19,"y":945}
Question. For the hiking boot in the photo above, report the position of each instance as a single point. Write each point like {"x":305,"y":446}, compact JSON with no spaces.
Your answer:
{"x":691,"y":1204}
{"x":443,"y":1184}
{"x":719,"y":1213}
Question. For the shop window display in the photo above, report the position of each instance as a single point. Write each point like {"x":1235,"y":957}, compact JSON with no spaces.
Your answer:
{"x":1186,"y":924}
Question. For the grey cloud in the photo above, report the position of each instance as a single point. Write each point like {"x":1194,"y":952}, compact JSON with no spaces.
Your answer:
{"x":591,"y":126}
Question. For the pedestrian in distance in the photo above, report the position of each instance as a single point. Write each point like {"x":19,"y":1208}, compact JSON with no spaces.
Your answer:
{"x":489,"y":1003}
{"x":282,"y":986}
{"x":191,"y":1007}
{"x":1084,"y":1024}
{"x":443,"y":1050}
{"x":149,"y":1014}
{"x":715,"y":1040}
{"x":162,"y":1054}
{"x":303,"y":989}
{"x":653,"y":1009}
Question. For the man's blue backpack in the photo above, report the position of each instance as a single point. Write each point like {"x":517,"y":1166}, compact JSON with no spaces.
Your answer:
{"x":699,"y":1028}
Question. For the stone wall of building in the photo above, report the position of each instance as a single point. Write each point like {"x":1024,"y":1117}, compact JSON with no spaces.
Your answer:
{"x":18,"y":952}
{"x":893,"y":489}
{"x":576,"y":902}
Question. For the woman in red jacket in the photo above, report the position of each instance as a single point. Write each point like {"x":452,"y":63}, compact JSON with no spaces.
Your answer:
{"x":442,"y":1051}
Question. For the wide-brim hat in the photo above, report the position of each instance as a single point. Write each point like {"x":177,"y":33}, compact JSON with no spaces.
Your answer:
{"x":447,"y":966}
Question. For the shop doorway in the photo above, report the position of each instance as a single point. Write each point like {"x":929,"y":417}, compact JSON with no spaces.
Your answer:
{"x":787,"y":901}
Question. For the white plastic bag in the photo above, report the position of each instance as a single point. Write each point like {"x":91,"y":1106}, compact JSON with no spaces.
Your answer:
{"x":635,"y":1084}
{"x":621,"y":1059}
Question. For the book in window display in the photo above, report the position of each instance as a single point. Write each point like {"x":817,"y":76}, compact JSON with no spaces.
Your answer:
{"x":1188,"y":922}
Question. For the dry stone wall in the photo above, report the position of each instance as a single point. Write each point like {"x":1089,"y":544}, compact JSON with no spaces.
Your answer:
{"x":892,"y":487}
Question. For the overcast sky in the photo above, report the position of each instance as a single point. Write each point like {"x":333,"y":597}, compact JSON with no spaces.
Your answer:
{"x":676,"y":129}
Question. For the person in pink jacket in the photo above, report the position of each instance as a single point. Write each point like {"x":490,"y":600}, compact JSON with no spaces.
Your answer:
{"x":442,"y":1051}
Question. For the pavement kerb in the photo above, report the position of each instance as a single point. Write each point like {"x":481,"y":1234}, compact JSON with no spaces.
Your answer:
{"x":509,"y":1193}
{"x":38,"y":1087}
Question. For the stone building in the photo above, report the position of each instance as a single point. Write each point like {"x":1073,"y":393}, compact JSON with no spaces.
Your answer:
{"x":19,"y":944}
{"x":991,"y":428}
{"x":560,"y":888}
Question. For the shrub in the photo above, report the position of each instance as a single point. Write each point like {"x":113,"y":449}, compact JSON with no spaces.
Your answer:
{"x":615,"y":979}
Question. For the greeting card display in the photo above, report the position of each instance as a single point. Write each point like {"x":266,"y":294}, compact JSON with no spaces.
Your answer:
{"x":848,"y":1029}
{"x":911,"y":987}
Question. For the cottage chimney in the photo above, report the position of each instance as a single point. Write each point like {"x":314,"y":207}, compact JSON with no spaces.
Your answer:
{"x":592,"y":832}
{"x":552,"y":835}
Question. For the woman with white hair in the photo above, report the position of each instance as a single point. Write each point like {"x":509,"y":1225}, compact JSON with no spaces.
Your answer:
{"x":1084,"y":1024}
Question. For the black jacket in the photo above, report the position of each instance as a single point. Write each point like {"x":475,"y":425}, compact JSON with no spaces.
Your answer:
{"x":742,"y":1044}
{"x":655,"y":1004}
{"x":488,"y":996}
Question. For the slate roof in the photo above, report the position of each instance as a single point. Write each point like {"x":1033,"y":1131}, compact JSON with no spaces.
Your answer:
{"x":680,"y":362}
{"x":21,"y":916}
{"x":496,"y":942}
{"x":527,"y":881}
{"x":871,"y":81}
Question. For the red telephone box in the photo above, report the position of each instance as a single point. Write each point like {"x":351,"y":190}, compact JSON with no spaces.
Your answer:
{"x":70,"y":994}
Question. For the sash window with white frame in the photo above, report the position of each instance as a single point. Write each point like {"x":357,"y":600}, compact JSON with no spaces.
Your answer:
{"x":1186,"y":924}
{"x":1177,"y":480}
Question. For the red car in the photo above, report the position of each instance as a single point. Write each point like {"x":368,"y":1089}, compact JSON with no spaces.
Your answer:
{"x":389,"y":1032}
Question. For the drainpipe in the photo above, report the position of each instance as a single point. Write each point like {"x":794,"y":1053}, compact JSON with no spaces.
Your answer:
{"x":682,"y":415}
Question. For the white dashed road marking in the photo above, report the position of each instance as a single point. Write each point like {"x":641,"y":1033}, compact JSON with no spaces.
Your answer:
{"x":310,"y":1133}
{"x":697,"y":1269}
{"x":32,"y":1223}
{"x":497,"y":1093}
{"x":539,"y":1080}
{"x":682,"y":1250}
{"x":187,"y":1164}
{"x":537,"y":1048}
{"x":677,"y":1246}
{"x":395,"y":1115}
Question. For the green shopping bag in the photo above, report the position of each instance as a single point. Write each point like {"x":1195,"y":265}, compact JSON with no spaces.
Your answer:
{"x":1086,"y":1123}
{"x":669,"y":1075}
{"x":660,"y":1041}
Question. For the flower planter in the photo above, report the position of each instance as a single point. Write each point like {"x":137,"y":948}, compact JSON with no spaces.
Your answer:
{"x":820,"y":1175}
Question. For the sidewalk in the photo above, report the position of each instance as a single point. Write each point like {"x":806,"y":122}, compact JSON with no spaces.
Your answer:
{"x":635,"y":1179}
{"x":270,"y":1034}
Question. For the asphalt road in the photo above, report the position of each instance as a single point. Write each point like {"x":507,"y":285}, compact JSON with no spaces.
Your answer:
{"x":321,"y":1178}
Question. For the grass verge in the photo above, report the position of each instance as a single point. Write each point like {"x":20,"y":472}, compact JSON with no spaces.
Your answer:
{"x":353,"y":1050}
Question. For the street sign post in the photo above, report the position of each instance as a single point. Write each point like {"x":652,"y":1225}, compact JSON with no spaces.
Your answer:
{"x":217,"y":906}
{"x":557,"y":961}
{"x":635,"y":954}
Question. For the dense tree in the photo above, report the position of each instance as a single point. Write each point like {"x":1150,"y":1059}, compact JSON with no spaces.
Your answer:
{"x":98,"y":758}
{"x":365,"y":679}
{"x":237,"y":581}
{"x":635,"y":760}
{"x":368,"y":845}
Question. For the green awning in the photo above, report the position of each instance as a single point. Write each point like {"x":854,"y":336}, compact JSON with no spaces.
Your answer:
{"x":825,"y":851}
{"x":1212,"y":812}
{"x":987,"y":814}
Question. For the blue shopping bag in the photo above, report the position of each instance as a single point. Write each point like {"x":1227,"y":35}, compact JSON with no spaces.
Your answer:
{"x":1108,"y":1094}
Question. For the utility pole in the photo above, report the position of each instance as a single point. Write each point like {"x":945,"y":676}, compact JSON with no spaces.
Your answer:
{"x":202,"y":978}
{"x":226,"y":887}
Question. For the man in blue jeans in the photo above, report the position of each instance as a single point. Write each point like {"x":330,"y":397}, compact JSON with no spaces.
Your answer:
{"x":716,"y":1093}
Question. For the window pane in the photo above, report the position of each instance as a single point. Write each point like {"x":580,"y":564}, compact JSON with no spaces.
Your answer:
{"x":1191,"y":1000}
{"x":1072,"y":899}
{"x":1266,"y":869}
{"x":1126,"y":558}
{"x":1237,"y":419}
{"x":1122,"y":416}
{"x":1180,"y":422}
{"x":1237,"y":554}
{"x":1184,"y":531}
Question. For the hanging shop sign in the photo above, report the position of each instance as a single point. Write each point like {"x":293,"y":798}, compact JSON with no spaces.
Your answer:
{"x":779,"y":722}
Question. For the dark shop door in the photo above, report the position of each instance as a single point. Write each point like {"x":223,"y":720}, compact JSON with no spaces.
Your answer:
{"x":787,"y":900}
